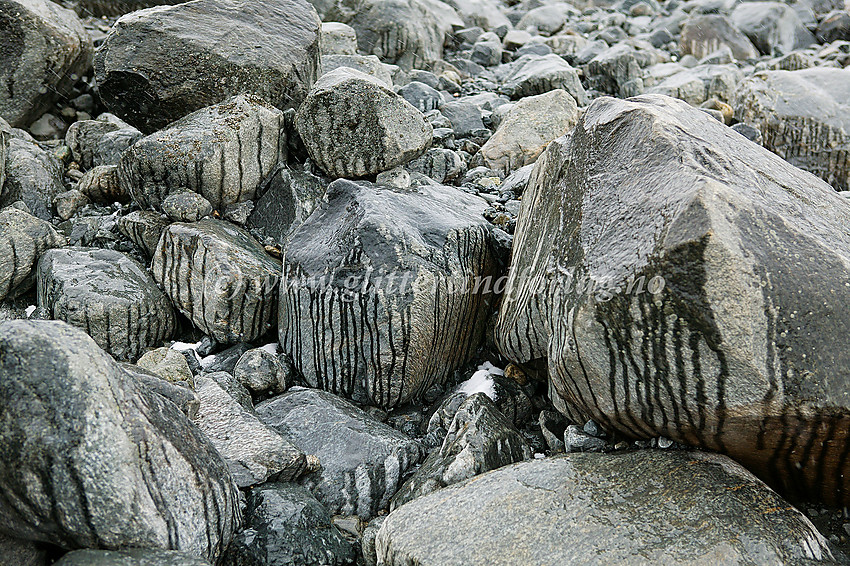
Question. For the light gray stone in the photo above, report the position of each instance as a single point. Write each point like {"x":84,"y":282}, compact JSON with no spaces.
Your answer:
{"x":536,"y":74}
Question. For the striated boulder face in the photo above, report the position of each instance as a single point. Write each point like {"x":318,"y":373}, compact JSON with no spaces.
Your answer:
{"x":5,"y":138}
{"x":158,"y":65}
{"x":33,"y":176}
{"x":804,"y":117}
{"x":222,"y":152}
{"x":23,"y":238}
{"x":92,"y":459}
{"x":379,"y":297}
{"x":44,"y":50}
{"x":643,"y":507}
{"x":116,"y":7}
{"x":659,"y":264}
{"x":703,"y":34}
{"x":219,"y":277}
{"x":108,"y":295}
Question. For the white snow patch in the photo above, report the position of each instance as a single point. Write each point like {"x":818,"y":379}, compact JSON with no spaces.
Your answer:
{"x":539,"y":456}
{"x":183,"y":346}
{"x":206,"y":362}
{"x":482,"y":381}
{"x":30,"y":310}
{"x":491,"y":368}
{"x":270,"y":348}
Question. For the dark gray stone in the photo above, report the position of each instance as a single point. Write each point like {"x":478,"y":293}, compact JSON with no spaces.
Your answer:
{"x":134,"y":557}
{"x":834,"y":27}
{"x":421,"y":96}
{"x":144,"y":228}
{"x":385,"y":290}
{"x":5,"y":138}
{"x":19,"y":552}
{"x":644,"y":507}
{"x":363,"y":460}
{"x":702,"y":35}
{"x":159,"y":65}
{"x":681,"y":314}
{"x":101,"y":184}
{"x":773,"y":27}
{"x":178,"y":393}
{"x":290,"y":197}
{"x":23,"y":238}
{"x":32,"y":175}
{"x":123,"y":464}
{"x":108,"y":295}
{"x":616,"y":71}
{"x":263,"y":372}
{"x":101,"y":141}
{"x":533,"y":74}
{"x":465,"y":117}
{"x":442,"y":165}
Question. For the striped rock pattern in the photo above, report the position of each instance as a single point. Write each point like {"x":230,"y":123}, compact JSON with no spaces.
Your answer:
{"x":354,"y":126}
{"x":703,"y":34}
{"x":804,"y":117}
{"x":144,"y":228}
{"x":222,"y":152}
{"x":663,"y":273}
{"x":5,"y":137}
{"x":220,"y":277}
{"x":102,"y":184}
{"x":93,"y":459}
{"x":101,"y":141}
{"x":108,"y":295}
{"x":378,"y":299}
{"x":116,"y":7}
{"x":23,"y":238}
{"x":33,"y":176}
{"x":363,"y":460}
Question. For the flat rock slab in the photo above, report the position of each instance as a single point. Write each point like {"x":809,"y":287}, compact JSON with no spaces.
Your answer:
{"x":646,"y":507}
{"x":108,"y":295}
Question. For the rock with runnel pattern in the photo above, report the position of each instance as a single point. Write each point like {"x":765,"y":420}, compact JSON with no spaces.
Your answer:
{"x":23,"y":238}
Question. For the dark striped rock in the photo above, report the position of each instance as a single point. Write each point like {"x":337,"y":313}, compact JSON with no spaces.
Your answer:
{"x":23,"y":238}
{"x":773,"y":27}
{"x":362,"y":459}
{"x":366,"y":64}
{"x":479,"y":439}
{"x":643,"y":507}
{"x":158,"y":65}
{"x":19,"y":552}
{"x":5,"y":138}
{"x":703,"y":34}
{"x":254,"y":452}
{"x":669,"y":302}
{"x":102,"y":184}
{"x":101,"y":141}
{"x":114,"y":7}
{"x":222,"y":152}
{"x":354,"y":126}
{"x":378,"y":300}
{"x":804,"y":117}
{"x":32,"y":175}
{"x":615,"y":71}
{"x":220,"y":277}
{"x":442,"y":165}
{"x":91,"y":459}
{"x":133,"y":557}
{"x":144,"y":228}
{"x":108,"y":295}
{"x":290,"y":198}
{"x":536,"y":74}
{"x":286,"y":525}
{"x":44,"y":50}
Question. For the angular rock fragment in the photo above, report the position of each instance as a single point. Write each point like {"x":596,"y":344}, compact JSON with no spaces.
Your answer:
{"x":108,"y":295}
{"x":118,"y":7}
{"x":144,"y":228}
{"x":704,"y":34}
{"x":291,"y":196}
{"x":32,"y":176}
{"x":354,"y":126}
{"x":220,"y":277}
{"x":158,"y":65}
{"x":442,"y":165}
{"x":262,"y":372}
{"x":773,"y":27}
{"x":101,"y":141}
{"x":366,"y":64}
{"x":102,"y":184}
{"x":536,"y":74}
{"x":178,"y":392}
{"x":124,"y":465}
{"x":5,"y":138}
{"x":701,"y":83}
{"x":23,"y":238}
{"x":338,"y":39}
{"x":134,"y":557}
{"x":23,"y":552}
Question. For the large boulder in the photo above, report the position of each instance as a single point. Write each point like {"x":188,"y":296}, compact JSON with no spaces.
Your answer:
{"x":354,"y":126}
{"x":23,"y":238}
{"x":536,"y":74}
{"x":92,"y":459}
{"x":220,"y":277}
{"x":159,"y":64}
{"x":108,"y":295}
{"x":804,"y":117}
{"x":112,"y":8}
{"x":661,"y":274}
{"x":773,"y":27}
{"x":386,"y":291}
{"x":33,"y":176}
{"x":222,"y":152}
{"x":44,"y":50}
{"x":644,"y":507}
{"x":703,"y":34}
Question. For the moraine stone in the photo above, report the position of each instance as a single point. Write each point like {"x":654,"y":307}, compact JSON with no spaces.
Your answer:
{"x":108,"y":295}
{"x":32,"y":175}
{"x":144,"y":228}
{"x":161,"y":64}
{"x":287,"y":526}
{"x":235,"y":389}
{"x":180,"y":393}
{"x":363,"y":460}
{"x":101,"y":141}
{"x":5,"y":138}
{"x":112,"y":8}
{"x":290,"y":197}
{"x":366,"y":64}
{"x":834,"y":27}
{"x":186,"y":206}
{"x":338,"y":39}
{"x":772,"y":27}
{"x":355,"y":126}
{"x":466,"y":118}
{"x":701,"y":83}
{"x":132,"y":557}
{"x":421,"y":96}
{"x":803,"y":117}
{"x":44,"y":50}
{"x":643,"y":507}
{"x":487,"y":51}
{"x":262,"y":372}
{"x":150,"y":478}
{"x":484,"y":13}
{"x":616,"y":71}
{"x":254,"y":452}
{"x":479,"y":439}
{"x":704,"y":237}
{"x":528,"y":128}
{"x":168,"y":364}
{"x":102,"y":184}
{"x":702,"y":35}
{"x":222,"y":152}
{"x":23,"y":238}
{"x":402,"y":286}
{"x":547,"y":20}
{"x":534,"y":74}
{"x":67,"y":203}
{"x":19,"y":552}
{"x":220,"y":277}
{"x":442,"y":165}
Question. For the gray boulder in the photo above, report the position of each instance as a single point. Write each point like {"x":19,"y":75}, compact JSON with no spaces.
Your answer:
{"x":773,"y":27}
{"x":144,"y":228}
{"x":222,"y":152}
{"x":112,"y":8}
{"x":32,"y":175}
{"x":134,"y":557}
{"x":158,"y":65}
{"x":362,"y":459}
{"x":218,"y":276}
{"x":290,"y":197}
{"x":124,"y":465}
{"x":19,"y":552}
{"x":704,"y":34}
{"x":616,"y":71}
{"x":5,"y":138}
{"x":260,"y":371}
{"x":44,"y":51}
{"x":442,"y":165}
{"x":536,"y":74}
{"x":366,"y":64}
{"x":386,"y":291}
{"x":338,"y":39}
{"x":23,"y":238}
{"x":700,"y":83}
{"x":287,"y":526}
{"x":354,"y":126}
{"x":108,"y":295}
{"x":644,"y":507}
{"x":101,"y":141}
{"x":668,"y":301}
{"x":804,"y":117}
{"x":102,"y":184}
